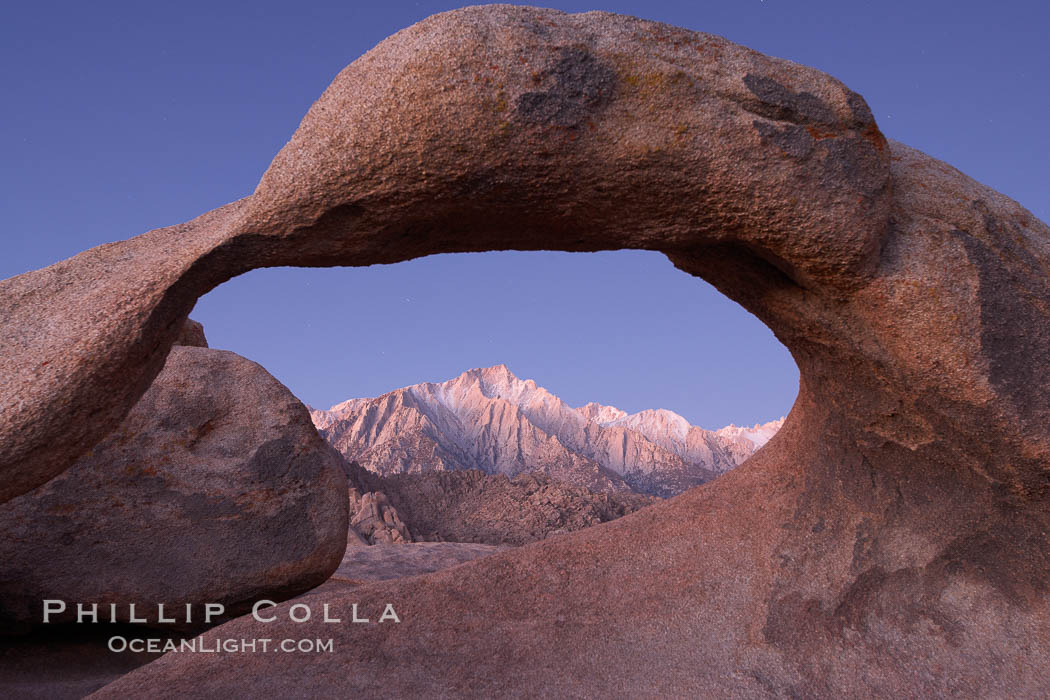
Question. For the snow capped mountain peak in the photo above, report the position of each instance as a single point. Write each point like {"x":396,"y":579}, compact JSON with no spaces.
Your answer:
{"x":487,"y":418}
{"x":495,"y":373}
{"x":602,"y":415}
{"x":495,"y":382}
{"x":659,"y":421}
{"x":499,"y":382}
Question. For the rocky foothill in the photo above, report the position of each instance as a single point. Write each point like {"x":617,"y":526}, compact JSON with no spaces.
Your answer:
{"x":471,"y":506}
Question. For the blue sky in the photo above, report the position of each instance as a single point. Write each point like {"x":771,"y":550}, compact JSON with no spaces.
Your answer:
{"x":121,"y":117}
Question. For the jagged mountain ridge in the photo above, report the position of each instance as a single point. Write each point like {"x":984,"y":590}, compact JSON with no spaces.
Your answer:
{"x":489,"y":419}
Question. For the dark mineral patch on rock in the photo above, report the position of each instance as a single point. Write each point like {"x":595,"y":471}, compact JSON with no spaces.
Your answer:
{"x":1013,"y":334}
{"x":793,"y":140}
{"x":579,"y":85}
{"x":784,"y":104}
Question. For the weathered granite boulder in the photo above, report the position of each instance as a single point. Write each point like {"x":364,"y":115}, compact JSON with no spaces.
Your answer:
{"x":890,"y":540}
{"x":216,"y":488}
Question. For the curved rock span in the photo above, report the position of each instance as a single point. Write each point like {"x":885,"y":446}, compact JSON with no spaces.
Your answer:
{"x":892,"y":537}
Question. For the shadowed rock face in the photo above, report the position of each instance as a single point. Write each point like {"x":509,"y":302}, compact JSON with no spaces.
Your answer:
{"x":216,"y":488}
{"x":192,"y":334}
{"x":892,"y":538}
{"x":472,"y":506}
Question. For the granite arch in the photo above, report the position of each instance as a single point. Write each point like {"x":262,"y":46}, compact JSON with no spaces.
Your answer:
{"x":892,"y":537}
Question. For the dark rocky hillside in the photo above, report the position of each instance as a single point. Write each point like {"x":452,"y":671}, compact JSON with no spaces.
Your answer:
{"x":471,"y":506}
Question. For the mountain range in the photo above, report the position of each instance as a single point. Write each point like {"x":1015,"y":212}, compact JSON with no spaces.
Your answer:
{"x":491,"y":420}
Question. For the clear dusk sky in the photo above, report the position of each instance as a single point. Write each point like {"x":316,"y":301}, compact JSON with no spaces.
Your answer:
{"x":121,"y":117}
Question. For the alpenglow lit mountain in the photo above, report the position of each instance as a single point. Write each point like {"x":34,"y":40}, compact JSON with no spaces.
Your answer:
{"x":489,"y":419}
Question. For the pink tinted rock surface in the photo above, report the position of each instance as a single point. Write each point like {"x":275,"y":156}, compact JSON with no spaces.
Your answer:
{"x":490,"y":128}
{"x":488,"y":419}
{"x":216,"y":488}
{"x":373,"y":520}
{"x":389,"y":561}
{"x":891,"y":539}
{"x":192,"y":334}
{"x":471,"y":506}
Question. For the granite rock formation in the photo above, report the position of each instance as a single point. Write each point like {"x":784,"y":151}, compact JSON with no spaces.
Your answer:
{"x":547,"y":132}
{"x":472,"y":506}
{"x":215,"y":488}
{"x":891,"y":539}
{"x":373,"y":520}
{"x":491,"y":420}
{"x":192,"y":334}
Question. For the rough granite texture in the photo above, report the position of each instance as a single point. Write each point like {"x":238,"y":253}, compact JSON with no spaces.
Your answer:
{"x":490,"y":128}
{"x":389,"y":561}
{"x":472,"y":506}
{"x":373,"y":520}
{"x":216,"y":488}
{"x":891,"y":540}
{"x":192,"y":334}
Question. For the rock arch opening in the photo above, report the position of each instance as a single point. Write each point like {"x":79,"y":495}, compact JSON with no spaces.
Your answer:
{"x":690,"y":383}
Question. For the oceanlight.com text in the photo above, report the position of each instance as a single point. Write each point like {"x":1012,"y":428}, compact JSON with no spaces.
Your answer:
{"x":213,"y":646}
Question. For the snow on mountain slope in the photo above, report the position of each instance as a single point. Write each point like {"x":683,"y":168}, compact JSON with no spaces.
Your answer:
{"x":489,"y":419}
{"x":759,"y":434}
